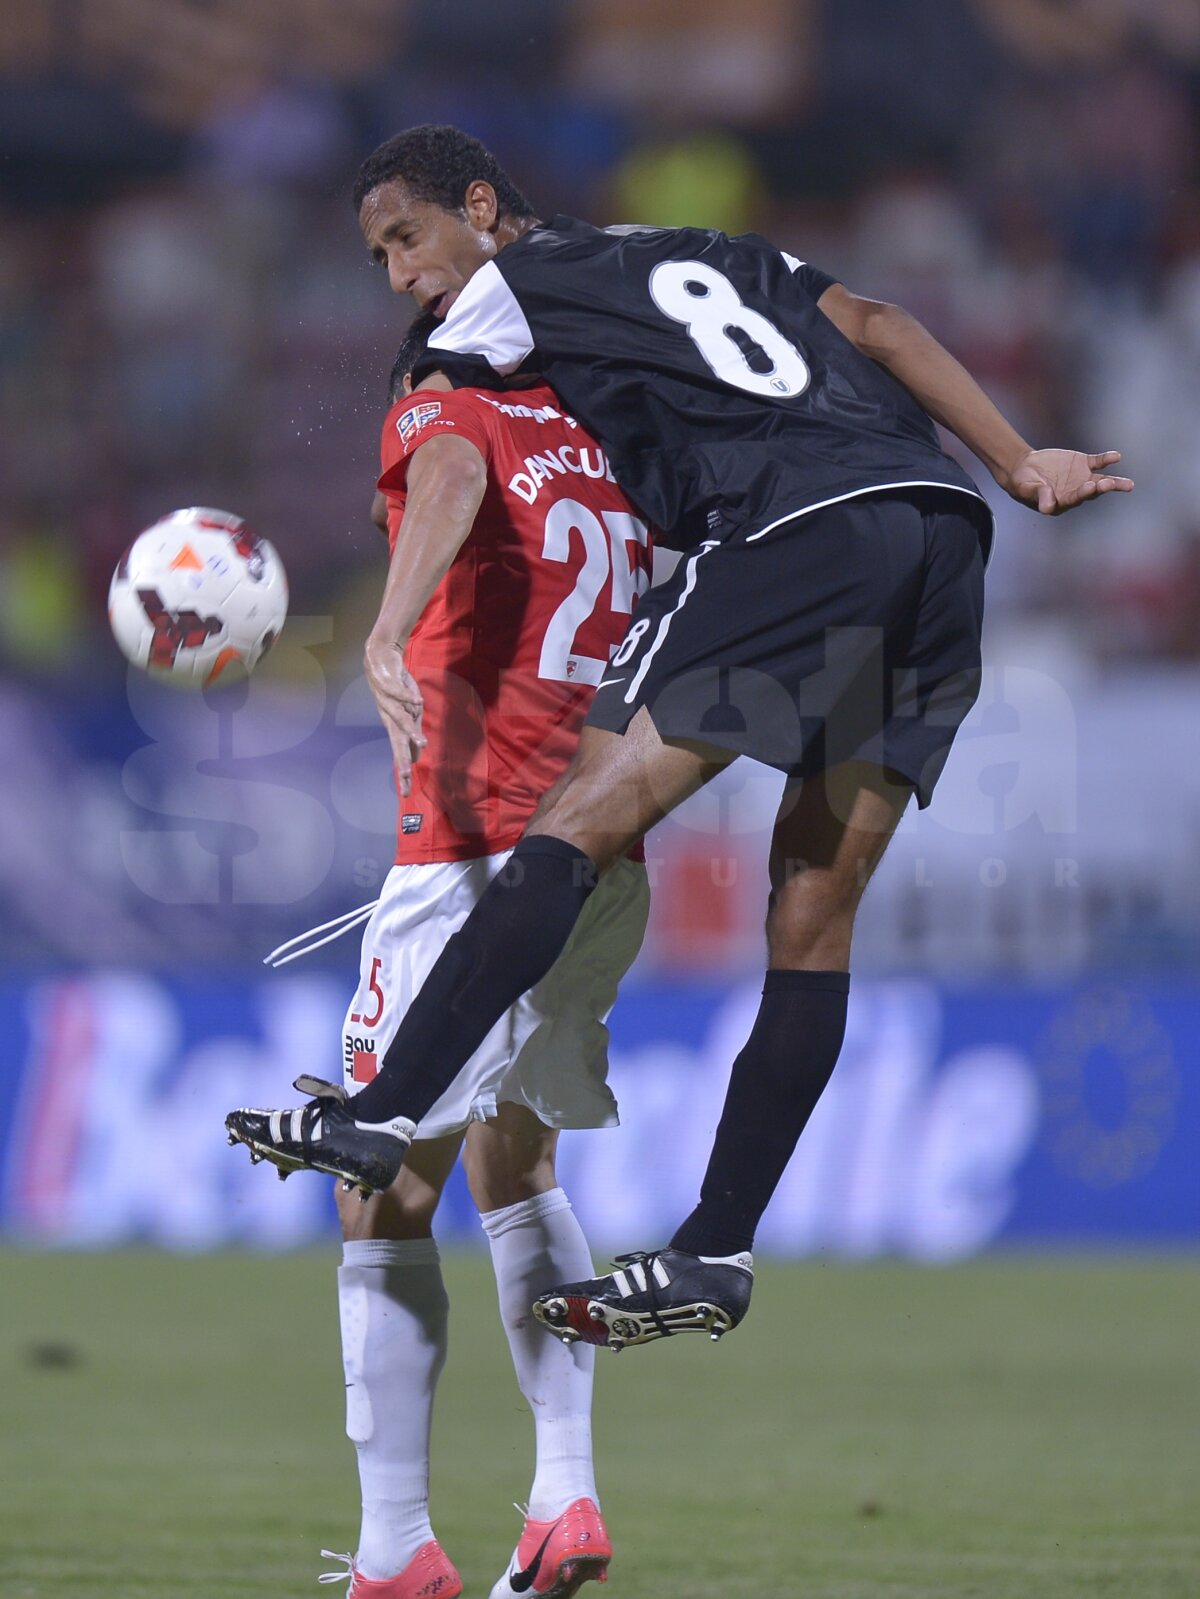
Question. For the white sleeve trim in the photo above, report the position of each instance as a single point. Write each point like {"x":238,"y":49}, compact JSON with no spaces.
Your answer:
{"x":486,"y":320}
{"x":793,"y":264}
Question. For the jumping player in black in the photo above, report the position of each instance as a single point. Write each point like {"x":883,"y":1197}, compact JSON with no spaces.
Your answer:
{"x":825,"y":619}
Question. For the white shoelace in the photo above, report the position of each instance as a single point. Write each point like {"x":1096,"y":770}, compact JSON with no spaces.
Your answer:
{"x":339,"y":924}
{"x":337,"y":1576}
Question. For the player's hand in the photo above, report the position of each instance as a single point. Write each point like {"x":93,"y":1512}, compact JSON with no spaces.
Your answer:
{"x":1054,"y":481}
{"x":401,"y":707}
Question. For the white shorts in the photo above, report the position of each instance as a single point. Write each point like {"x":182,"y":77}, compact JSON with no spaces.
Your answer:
{"x":550,"y":1050}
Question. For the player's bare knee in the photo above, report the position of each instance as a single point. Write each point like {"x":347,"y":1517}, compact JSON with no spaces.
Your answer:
{"x":586,"y":812}
{"x":620,"y":786}
{"x":574,"y":824}
{"x":403,"y":1211}
{"x":499,"y":1190}
{"x":810,"y":923}
{"x":509,"y":1159}
{"x":499,"y":1177}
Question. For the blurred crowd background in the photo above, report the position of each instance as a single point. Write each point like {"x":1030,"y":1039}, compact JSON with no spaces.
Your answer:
{"x":187,"y":316}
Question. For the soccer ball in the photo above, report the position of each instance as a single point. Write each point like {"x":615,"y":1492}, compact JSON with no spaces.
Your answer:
{"x":196,"y":595}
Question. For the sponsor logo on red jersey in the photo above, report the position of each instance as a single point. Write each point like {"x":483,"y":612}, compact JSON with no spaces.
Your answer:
{"x":415,"y":418}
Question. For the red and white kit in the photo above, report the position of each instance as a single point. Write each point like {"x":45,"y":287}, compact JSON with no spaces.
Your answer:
{"x":507,"y":653}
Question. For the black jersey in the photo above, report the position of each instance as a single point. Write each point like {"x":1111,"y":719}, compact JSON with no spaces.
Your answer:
{"x":726,"y":400}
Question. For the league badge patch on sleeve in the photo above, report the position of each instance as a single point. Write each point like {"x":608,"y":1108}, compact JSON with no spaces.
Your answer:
{"x":411,"y":422}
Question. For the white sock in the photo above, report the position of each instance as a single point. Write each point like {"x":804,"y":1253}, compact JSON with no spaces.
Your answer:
{"x":393,"y":1312}
{"x":536,"y":1244}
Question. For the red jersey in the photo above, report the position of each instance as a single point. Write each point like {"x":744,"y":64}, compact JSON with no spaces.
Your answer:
{"x":514,"y":640}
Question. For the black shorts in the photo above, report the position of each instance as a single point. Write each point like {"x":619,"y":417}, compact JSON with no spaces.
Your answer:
{"x":849,"y":633}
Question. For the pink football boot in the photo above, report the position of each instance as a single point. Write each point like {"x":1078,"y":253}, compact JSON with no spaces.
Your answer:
{"x":428,"y":1575}
{"x":555,"y":1558}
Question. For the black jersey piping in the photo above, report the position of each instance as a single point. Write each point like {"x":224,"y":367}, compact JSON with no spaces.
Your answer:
{"x":877,"y":488}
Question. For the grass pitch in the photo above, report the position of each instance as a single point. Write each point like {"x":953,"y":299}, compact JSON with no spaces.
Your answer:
{"x":1004,"y":1430}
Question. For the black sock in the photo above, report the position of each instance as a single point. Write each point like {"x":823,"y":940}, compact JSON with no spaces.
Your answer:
{"x":776,"y":1081}
{"x":507,"y":944}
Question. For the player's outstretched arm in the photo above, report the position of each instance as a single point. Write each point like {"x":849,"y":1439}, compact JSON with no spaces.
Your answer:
{"x":1052,"y":481}
{"x":447,"y":477}
{"x":1049,"y":481}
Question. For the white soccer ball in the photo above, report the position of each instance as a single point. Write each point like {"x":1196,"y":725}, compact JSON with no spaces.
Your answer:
{"x":197,"y":595}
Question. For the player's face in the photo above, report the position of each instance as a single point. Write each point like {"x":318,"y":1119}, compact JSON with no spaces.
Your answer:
{"x":429,"y":253}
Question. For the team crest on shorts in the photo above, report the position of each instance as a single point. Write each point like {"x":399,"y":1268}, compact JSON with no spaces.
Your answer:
{"x":411,"y":821}
{"x":415,"y":418}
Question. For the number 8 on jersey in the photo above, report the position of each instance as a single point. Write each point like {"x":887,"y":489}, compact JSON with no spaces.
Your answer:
{"x":740,"y":345}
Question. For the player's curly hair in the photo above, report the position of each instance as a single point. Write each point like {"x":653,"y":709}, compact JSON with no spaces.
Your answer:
{"x":414,"y":343}
{"x":438,"y":163}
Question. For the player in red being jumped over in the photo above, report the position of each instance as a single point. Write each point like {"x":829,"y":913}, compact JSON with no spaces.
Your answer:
{"x":779,"y":430}
{"x":515,"y":564}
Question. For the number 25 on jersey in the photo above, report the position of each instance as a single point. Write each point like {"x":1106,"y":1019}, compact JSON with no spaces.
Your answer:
{"x":611,"y":541}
